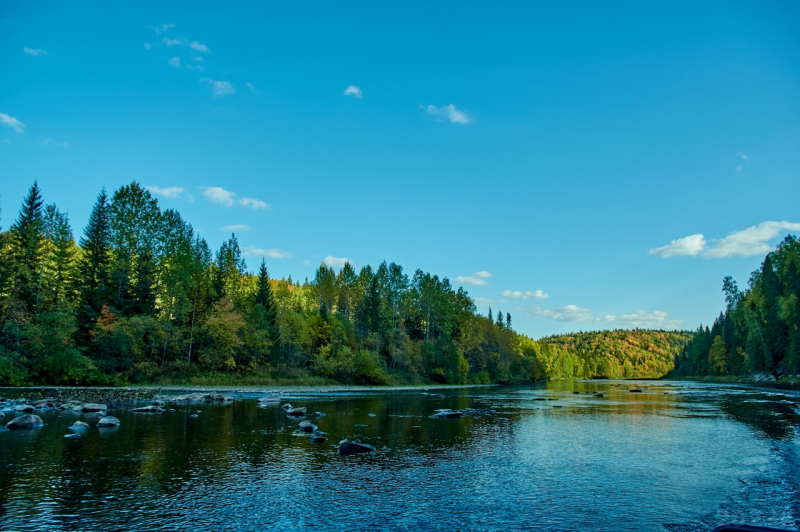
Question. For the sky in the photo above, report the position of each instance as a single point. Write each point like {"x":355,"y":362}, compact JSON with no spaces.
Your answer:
{"x":580,"y":166}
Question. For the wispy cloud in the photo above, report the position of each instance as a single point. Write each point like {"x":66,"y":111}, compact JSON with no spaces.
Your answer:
{"x":751,"y":241}
{"x":744,"y":158}
{"x":170,"y":192}
{"x":565,"y":313}
{"x":12,"y":122}
{"x":220,"y":88}
{"x":198,"y":59}
{"x":51,"y":142}
{"x":220,"y":196}
{"x":306,"y":262}
{"x":175,"y":62}
{"x":36,"y":52}
{"x":487,"y":301}
{"x":451,"y":113}
{"x":336,"y":262}
{"x":202,"y":48}
{"x":748,"y":242}
{"x":171,"y":42}
{"x":237,"y":227}
{"x":353,"y":91}
{"x":476,"y":279}
{"x":253,"y":203}
{"x":691,"y":245}
{"x":536,"y":294}
{"x":640,"y":319}
{"x":252,"y":251}
{"x":158,"y":30}
{"x":147,"y":46}
{"x":252,"y":87}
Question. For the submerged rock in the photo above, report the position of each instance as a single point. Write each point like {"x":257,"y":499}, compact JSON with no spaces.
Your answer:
{"x":46,"y":403}
{"x":108,"y":422}
{"x":446,"y":414}
{"x":296,"y":412}
{"x":24,"y":408}
{"x":28,"y":421}
{"x":318,"y":439}
{"x":348,"y":448}
{"x":72,"y":436}
{"x":79,"y":425}
{"x":286,"y":406}
{"x":94,"y":407}
{"x":306,"y":426}
{"x":150,"y":409}
{"x":318,"y":414}
{"x":194,"y":415}
{"x":599,"y":395}
{"x":270,"y":399}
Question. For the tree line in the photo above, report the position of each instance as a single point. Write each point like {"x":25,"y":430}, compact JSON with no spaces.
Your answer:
{"x":759,"y":330}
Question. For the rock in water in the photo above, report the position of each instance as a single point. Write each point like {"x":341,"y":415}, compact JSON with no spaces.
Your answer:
{"x":150,"y":409}
{"x":318,"y":414}
{"x":78,"y":426}
{"x":347,"y":447}
{"x":287,"y":406}
{"x":24,"y":408}
{"x":108,"y":422}
{"x":94,"y":407}
{"x":28,"y":421}
{"x":297,"y":412}
{"x":72,"y":436}
{"x":269,"y":399}
{"x":318,"y":439}
{"x":306,"y":426}
{"x":635,"y":390}
{"x":448,"y":414}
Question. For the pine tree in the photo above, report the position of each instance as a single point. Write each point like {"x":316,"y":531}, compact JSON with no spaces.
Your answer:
{"x":499,"y":322}
{"x":95,"y":265}
{"x":508,"y":321}
{"x":27,"y":241}
{"x":491,"y":319}
{"x":266,"y":300}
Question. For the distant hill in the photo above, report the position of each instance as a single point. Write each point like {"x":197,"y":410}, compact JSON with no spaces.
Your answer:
{"x":613,"y":354}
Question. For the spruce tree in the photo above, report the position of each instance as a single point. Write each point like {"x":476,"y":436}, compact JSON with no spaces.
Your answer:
{"x":508,"y":321}
{"x":491,"y":319}
{"x":266,"y":300}
{"x":95,"y":265}
{"x":27,"y":241}
{"x":499,"y":322}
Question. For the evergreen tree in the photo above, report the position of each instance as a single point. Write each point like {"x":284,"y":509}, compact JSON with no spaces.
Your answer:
{"x":491,"y":319}
{"x":266,"y":301}
{"x":508,"y":321}
{"x":27,"y":241}
{"x":95,"y":265}
{"x":499,"y":322}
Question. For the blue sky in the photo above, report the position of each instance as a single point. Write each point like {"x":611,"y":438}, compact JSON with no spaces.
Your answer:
{"x":579,"y":165}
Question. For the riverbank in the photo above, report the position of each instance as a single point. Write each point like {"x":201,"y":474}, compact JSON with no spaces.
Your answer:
{"x":791,"y":381}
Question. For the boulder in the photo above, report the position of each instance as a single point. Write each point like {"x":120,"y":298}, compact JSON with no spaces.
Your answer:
{"x":108,"y":422}
{"x":306,"y":426}
{"x":286,"y":406}
{"x":24,"y":408}
{"x":296,"y":412}
{"x":45,"y":403}
{"x":28,"y":421}
{"x":348,"y":448}
{"x":149,"y":409}
{"x":79,"y":425}
{"x":318,"y":439}
{"x":93,"y":407}
{"x":270,"y":399}
{"x":318,"y":414}
{"x":72,"y":436}
{"x":447,"y":414}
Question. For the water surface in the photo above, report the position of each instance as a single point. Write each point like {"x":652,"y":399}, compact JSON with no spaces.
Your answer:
{"x":678,"y":456}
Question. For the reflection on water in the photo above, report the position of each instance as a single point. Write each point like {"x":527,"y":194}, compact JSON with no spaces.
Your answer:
{"x":677,"y":456}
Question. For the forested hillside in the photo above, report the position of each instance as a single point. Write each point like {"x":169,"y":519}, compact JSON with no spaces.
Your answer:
{"x":617,"y":354}
{"x":759,"y":330}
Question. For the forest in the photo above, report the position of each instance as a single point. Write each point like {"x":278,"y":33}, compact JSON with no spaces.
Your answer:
{"x":759,"y":330}
{"x":141,"y":298}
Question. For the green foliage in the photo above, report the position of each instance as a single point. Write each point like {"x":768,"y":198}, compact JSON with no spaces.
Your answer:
{"x":760,"y":327}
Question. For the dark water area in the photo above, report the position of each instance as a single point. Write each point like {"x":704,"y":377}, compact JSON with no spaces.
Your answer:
{"x":679,"y":456}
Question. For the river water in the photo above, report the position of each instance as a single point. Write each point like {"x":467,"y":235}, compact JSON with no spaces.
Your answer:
{"x":680,"y":456}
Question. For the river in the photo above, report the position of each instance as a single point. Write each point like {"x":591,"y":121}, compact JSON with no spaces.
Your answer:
{"x":679,"y":456}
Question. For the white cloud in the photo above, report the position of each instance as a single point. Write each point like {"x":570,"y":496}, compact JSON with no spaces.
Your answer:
{"x":306,"y":262}
{"x":169,"y":192}
{"x":199,"y":59}
{"x":161,"y":29}
{"x":252,"y":87}
{"x":36,"y":52}
{"x":538,"y":294}
{"x":219,"y":196}
{"x":194,"y":45}
{"x":175,"y":62}
{"x":689,"y":245}
{"x":487,"y":301}
{"x":476,"y":279}
{"x":751,"y":241}
{"x":236,"y":227}
{"x":51,"y":142}
{"x":171,"y":42}
{"x":253,"y":203}
{"x":147,"y":46}
{"x":354,"y":91}
{"x":11,"y":122}
{"x":743,"y":156}
{"x":336,"y":262}
{"x":252,"y":251}
{"x":565,"y":313}
{"x":451,"y":113}
{"x":220,"y":88}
